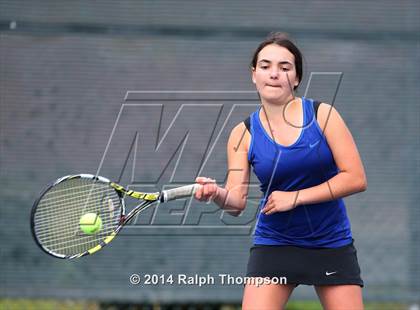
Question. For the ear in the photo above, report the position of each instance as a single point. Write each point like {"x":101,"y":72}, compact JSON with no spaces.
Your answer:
{"x":253,"y":75}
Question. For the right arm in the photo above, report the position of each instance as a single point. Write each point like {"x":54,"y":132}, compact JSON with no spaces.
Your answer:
{"x":232,"y":197}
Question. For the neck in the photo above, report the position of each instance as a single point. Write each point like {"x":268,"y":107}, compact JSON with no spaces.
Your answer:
{"x":275,"y":111}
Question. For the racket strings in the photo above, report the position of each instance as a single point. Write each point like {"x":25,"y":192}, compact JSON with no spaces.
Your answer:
{"x":50,"y":213}
{"x":49,"y":210}
{"x":47,"y":241}
{"x":58,"y":213}
{"x":47,"y":234}
{"x":88,"y":242}
{"x":73,"y":194}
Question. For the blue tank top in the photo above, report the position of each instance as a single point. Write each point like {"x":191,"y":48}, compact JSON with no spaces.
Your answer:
{"x":307,"y":162}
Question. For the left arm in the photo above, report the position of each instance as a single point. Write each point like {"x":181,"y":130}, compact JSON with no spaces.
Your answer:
{"x":350,"y":179}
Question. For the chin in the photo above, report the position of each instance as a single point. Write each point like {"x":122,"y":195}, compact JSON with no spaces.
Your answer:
{"x":272,"y":95}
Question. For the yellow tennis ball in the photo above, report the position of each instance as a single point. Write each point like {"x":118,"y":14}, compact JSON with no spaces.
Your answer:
{"x":90,"y":223}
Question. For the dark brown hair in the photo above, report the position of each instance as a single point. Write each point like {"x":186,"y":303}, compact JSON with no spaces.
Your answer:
{"x":281,"y":39}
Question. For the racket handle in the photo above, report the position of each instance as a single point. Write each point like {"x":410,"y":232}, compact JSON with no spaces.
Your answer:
{"x":179,"y":192}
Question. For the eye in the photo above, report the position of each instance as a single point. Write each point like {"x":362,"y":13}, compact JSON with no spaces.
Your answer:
{"x":285,"y":69}
{"x":264,"y":67}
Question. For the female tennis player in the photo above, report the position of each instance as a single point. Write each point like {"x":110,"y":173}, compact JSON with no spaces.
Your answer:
{"x":306,"y":161}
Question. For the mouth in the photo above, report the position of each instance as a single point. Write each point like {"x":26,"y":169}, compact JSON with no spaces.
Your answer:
{"x":276,"y":86}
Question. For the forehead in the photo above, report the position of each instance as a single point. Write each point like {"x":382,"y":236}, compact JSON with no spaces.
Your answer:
{"x":276,"y":53}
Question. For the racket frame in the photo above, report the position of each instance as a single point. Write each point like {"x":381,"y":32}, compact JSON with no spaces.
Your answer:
{"x":148,"y":199}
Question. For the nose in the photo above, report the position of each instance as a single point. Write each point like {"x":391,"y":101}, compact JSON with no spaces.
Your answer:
{"x":274,"y":74}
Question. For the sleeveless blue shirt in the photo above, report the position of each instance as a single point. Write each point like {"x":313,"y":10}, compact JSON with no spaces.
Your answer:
{"x":306,"y":163}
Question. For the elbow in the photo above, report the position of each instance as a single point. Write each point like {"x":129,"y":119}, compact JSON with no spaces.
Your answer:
{"x":238,"y":210}
{"x":362,"y":184}
{"x":235,"y":203}
{"x":357,"y":182}
{"x":235,"y":213}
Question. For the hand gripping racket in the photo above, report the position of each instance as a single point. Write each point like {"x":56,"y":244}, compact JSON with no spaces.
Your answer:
{"x":56,"y":214}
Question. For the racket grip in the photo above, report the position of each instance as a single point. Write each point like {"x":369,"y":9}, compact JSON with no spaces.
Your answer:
{"x":179,"y":192}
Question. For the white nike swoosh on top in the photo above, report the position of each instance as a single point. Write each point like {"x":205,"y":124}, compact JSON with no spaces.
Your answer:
{"x":313,"y":144}
{"x":329,"y":273}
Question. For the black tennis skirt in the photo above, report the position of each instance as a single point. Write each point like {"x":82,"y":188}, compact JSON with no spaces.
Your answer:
{"x":319,"y":266}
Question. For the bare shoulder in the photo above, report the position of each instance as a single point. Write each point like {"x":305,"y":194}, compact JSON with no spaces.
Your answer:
{"x":239,"y":138}
{"x":328,"y":117}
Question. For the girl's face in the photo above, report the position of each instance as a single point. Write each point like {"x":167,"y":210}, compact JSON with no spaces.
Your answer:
{"x":275,"y":74}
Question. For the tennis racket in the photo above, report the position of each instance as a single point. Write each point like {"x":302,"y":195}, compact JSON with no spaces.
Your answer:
{"x":56,"y":214}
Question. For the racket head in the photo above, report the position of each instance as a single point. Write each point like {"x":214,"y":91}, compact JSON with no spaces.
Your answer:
{"x":56,"y":215}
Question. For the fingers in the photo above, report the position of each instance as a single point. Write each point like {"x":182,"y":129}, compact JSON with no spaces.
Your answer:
{"x":207,"y":191}
{"x":278,"y":202}
{"x":271,"y":210}
{"x":268,"y":208}
{"x":268,"y":205}
{"x":204,"y":180}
